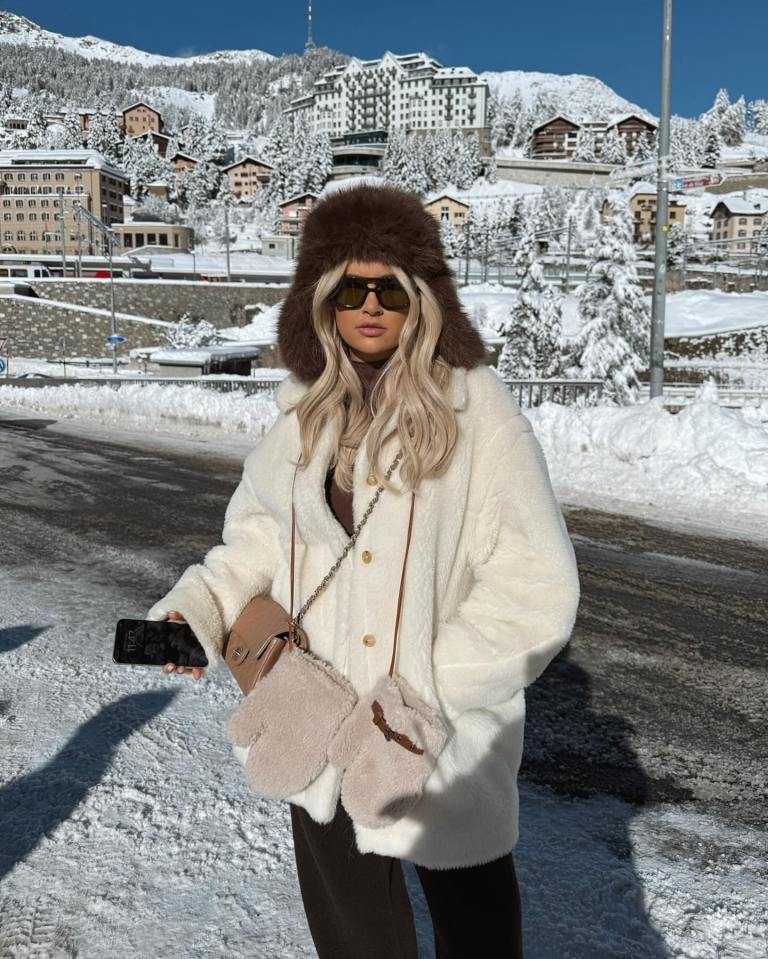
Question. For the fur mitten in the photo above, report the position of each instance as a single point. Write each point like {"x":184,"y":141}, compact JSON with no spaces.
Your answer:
{"x":385,"y":777}
{"x":281,"y":730}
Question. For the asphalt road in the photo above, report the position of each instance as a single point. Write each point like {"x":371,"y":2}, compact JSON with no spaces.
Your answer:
{"x":660,"y":696}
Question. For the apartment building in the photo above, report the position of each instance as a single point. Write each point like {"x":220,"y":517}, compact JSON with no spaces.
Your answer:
{"x":38,"y":187}
{"x":412,"y":92}
{"x":141,"y":118}
{"x":642,"y":205}
{"x":294,"y":211}
{"x":446,"y":208}
{"x":740,"y":219}
{"x":557,"y":138}
{"x":247,"y":176}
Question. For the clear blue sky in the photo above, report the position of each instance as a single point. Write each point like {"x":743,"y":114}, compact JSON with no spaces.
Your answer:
{"x":714,"y":43}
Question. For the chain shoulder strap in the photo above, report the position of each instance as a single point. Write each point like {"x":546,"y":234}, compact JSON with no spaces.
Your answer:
{"x":347,"y":548}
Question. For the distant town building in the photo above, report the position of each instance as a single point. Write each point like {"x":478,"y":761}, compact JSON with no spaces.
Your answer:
{"x":38,"y":186}
{"x":557,"y":137}
{"x":181,"y":162}
{"x":642,"y":205}
{"x":160,"y":140}
{"x":247,"y":176}
{"x":294,"y":211}
{"x":412,"y":92}
{"x":140,"y":118}
{"x":446,"y":208}
{"x":740,"y":219}
{"x":153,"y":236}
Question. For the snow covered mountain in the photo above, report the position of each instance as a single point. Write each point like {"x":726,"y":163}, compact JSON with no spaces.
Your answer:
{"x":15,"y":29}
{"x":585,"y":96}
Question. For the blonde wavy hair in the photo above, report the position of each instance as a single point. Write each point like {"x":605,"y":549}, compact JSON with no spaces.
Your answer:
{"x":413,"y":383}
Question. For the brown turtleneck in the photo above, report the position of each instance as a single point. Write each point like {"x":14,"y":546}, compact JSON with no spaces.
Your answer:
{"x":340,"y":501}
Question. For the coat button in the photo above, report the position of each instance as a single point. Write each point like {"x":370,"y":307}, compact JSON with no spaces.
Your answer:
{"x":372,"y":481}
{"x":369,"y":640}
{"x":367,"y":556}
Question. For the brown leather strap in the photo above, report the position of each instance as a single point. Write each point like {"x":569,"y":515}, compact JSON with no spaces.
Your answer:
{"x":402,"y":583}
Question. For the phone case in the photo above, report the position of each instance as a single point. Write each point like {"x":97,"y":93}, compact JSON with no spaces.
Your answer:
{"x":145,"y":642}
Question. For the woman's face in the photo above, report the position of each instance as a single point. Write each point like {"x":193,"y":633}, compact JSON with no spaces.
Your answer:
{"x":367,"y":344}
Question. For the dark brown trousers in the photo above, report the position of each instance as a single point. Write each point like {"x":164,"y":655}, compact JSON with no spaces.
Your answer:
{"x":357,"y":905}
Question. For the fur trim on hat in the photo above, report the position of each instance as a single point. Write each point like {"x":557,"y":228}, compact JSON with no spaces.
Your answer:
{"x":369,"y":222}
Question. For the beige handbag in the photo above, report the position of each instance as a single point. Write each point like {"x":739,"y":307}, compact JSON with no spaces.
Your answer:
{"x":264,"y":628}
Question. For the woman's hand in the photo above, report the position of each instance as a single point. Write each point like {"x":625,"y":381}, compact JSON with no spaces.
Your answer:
{"x":197,"y":671}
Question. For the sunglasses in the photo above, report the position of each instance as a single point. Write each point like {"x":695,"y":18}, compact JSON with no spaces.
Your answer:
{"x":351,"y":292}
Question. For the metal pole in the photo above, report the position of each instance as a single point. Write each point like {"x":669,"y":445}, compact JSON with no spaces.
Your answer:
{"x":113,"y":329}
{"x":79,"y":241}
{"x":467,"y":241}
{"x":63,"y":235}
{"x":662,"y":210}
{"x":567,"y":277}
{"x":226,"y":239}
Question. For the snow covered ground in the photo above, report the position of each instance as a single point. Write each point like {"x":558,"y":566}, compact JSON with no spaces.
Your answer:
{"x":126,"y":833}
{"x":706,"y":466}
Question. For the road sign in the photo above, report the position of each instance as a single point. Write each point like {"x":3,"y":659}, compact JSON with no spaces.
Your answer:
{"x":115,"y":339}
{"x":694,"y":182}
{"x":2,"y":366}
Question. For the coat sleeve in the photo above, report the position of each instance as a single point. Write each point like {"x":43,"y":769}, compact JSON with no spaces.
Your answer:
{"x":212,"y":594}
{"x":521,"y":604}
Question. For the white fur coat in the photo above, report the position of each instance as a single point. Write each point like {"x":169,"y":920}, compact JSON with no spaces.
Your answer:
{"x":490,"y":597}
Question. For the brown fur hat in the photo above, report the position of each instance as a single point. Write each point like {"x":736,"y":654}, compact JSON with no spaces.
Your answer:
{"x":370,"y":222}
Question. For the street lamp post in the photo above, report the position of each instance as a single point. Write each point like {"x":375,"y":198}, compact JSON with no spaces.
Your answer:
{"x":662,"y":209}
{"x":109,"y":235}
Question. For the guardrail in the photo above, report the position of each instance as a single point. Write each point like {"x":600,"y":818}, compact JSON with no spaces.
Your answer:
{"x":528,"y":393}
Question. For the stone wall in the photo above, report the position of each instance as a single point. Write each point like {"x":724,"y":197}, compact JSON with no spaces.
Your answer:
{"x":35,"y":326}
{"x":220,"y":303}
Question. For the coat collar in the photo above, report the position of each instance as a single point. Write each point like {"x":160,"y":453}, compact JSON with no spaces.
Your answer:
{"x":314,"y":518}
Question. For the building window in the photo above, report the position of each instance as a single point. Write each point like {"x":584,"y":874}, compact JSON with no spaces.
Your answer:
{"x":33,"y":237}
{"x":7,"y":216}
{"x":58,"y":176}
{"x":19,"y":203}
{"x":20,"y":216}
{"x":20,"y":235}
{"x":33,"y":176}
{"x":7,"y":235}
{"x":33,"y":216}
{"x":46,"y":176}
{"x":21,"y":176}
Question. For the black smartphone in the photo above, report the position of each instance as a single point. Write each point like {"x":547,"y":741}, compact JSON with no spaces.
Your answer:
{"x":147,"y":642}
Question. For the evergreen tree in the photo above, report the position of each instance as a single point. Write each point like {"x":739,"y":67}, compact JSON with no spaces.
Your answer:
{"x":73,"y":138}
{"x":614,"y":148}
{"x":758,"y":116}
{"x":711,"y":147}
{"x":733,"y":123}
{"x":37,"y":130}
{"x":612,"y":343}
{"x":585,"y":146}
{"x":643,"y":149}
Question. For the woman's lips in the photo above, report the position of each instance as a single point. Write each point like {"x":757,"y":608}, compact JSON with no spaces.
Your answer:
{"x":371,"y":330}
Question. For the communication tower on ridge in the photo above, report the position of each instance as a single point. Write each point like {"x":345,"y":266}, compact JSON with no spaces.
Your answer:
{"x":310,"y":45}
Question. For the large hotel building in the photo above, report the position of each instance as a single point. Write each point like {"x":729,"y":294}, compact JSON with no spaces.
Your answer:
{"x":38,"y":192}
{"x":412,"y":92}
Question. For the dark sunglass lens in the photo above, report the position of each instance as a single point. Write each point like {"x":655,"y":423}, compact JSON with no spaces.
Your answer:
{"x":394,"y":298}
{"x":351,"y":294}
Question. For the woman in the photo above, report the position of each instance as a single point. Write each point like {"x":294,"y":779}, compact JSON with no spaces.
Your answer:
{"x":490,"y":589}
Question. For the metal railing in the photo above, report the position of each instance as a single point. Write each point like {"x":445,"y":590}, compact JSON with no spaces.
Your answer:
{"x":528,"y":393}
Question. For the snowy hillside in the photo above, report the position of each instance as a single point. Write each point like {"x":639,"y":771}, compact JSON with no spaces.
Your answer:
{"x":15,"y":29}
{"x":586,"y":96}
